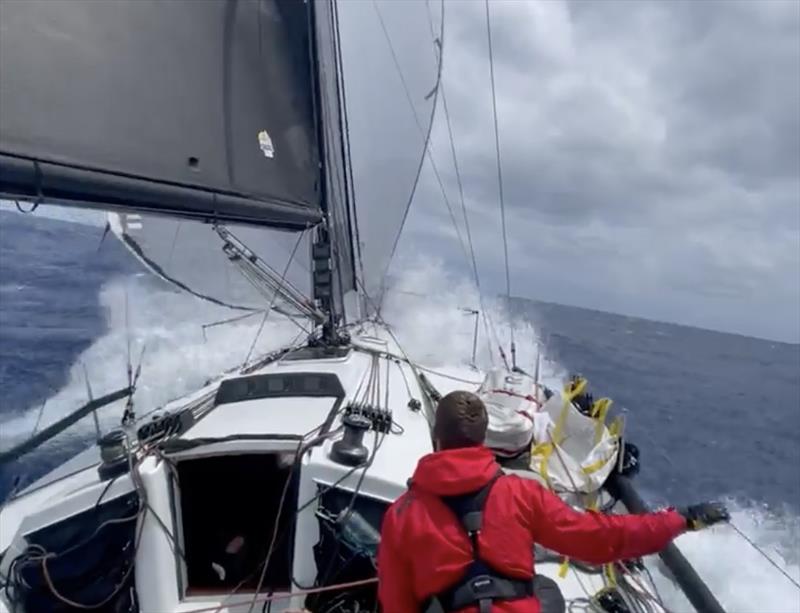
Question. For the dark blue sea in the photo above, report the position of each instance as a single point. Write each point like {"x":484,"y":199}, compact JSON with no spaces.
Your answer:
{"x":716,"y":416}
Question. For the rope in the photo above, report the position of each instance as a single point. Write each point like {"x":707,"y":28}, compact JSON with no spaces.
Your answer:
{"x":763,"y":553}
{"x":443,"y":375}
{"x":289,"y":479}
{"x":139,"y":516}
{"x":306,"y":442}
{"x":499,"y":174}
{"x":376,"y":444}
{"x":288,"y":595}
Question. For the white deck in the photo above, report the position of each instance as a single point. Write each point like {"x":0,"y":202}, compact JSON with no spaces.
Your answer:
{"x":250,"y":424}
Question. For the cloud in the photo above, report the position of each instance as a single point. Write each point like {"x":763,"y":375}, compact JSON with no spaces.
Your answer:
{"x":650,"y":157}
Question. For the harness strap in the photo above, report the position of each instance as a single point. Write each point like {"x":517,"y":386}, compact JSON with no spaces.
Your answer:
{"x":469,"y":510}
{"x":481,"y":585}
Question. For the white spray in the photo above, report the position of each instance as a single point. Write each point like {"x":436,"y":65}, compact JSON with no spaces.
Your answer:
{"x":432,"y":327}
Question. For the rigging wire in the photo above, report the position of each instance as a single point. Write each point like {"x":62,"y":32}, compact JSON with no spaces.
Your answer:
{"x":445,"y":375}
{"x":469,"y":253}
{"x":500,"y":181}
{"x":426,"y":134}
{"x":428,"y":147}
{"x":274,"y":298}
{"x":487,"y":322}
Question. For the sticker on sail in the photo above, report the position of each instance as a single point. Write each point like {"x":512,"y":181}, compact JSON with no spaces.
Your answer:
{"x":265,"y":143}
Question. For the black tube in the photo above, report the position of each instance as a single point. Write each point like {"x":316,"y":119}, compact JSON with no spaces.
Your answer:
{"x":57,"y":428}
{"x":685,"y":575}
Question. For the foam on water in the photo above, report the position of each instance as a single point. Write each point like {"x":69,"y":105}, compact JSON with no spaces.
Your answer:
{"x":178,"y":358}
{"x":426,"y":307}
{"x":735,"y":571}
{"x":432,"y":328}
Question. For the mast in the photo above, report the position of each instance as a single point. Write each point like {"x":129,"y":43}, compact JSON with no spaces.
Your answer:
{"x":321,"y":269}
{"x":333,"y":252}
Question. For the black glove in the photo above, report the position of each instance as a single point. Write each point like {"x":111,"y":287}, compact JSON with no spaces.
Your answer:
{"x":699,"y":516}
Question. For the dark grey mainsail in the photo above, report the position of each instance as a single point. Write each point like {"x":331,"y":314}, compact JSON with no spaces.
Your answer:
{"x":196,"y":109}
{"x":225,"y":112}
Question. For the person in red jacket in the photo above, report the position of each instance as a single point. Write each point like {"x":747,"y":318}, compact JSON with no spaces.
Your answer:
{"x":461,"y":538}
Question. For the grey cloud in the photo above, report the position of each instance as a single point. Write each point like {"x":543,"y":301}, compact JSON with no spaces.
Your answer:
{"x":651,"y":156}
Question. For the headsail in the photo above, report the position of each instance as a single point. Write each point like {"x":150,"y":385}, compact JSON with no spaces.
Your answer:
{"x":196,"y":109}
{"x":392,"y":56}
{"x":190,"y":256}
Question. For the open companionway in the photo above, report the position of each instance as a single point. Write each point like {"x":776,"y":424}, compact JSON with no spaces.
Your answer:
{"x":229,"y":508}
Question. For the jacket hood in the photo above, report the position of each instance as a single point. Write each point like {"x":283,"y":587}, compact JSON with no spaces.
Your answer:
{"x":455,"y":471}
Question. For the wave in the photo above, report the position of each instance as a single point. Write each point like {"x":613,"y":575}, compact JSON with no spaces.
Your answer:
{"x":738,"y":575}
{"x":164,"y":331}
{"x":432,"y":327}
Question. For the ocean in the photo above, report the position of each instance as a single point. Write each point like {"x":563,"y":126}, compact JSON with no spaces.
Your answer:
{"x":715,"y":416}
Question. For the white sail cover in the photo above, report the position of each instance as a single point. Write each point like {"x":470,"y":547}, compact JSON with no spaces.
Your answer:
{"x":577,"y":456}
{"x":512,"y":400}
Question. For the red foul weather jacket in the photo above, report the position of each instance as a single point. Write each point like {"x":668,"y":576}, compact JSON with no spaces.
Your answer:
{"x":424,"y":549}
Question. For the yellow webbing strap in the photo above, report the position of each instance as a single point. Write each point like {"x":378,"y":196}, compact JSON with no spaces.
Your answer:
{"x":575,"y":387}
{"x":599,"y":411}
{"x":571,"y":390}
{"x":610,"y":574}
{"x":543,"y":451}
{"x":595,"y":466}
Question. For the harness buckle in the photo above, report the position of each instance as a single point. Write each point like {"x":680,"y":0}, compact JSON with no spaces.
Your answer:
{"x":482,"y":584}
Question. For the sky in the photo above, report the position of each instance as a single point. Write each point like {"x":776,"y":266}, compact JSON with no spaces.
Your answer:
{"x":650,"y":158}
{"x":650,"y":151}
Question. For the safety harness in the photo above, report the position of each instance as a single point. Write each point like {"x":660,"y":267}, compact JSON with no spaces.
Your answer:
{"x":481,"y":585}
